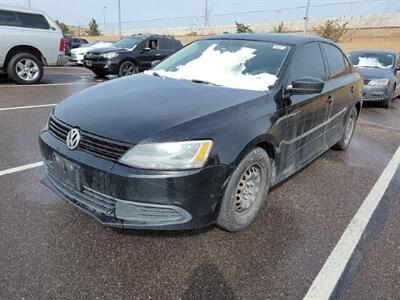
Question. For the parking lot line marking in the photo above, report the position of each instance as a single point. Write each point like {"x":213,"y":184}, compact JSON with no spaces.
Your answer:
{"x":25,"y":107}
{"x":48,"y":84}
{"x":21,"y":168}
{"x":328,"y":277}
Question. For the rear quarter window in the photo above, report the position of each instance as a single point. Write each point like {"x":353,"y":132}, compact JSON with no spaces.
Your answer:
{"x":8,"y":18}
{"x":33,"y":21}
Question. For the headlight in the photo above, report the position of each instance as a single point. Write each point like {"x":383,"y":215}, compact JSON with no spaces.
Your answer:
{"x":379,"y":82}
{"x":168,"y":156}
{"x":110,"y":55}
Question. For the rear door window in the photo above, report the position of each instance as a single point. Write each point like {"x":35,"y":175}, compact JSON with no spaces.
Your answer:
{"x":308,"y":62}
{"x":33,"y":21}
{"x":8,"y":18}
{"x":336,"y":61}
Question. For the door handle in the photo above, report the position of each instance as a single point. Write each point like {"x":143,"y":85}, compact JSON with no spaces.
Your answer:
{"x":329,"y":99}
{"x":158,"y":54}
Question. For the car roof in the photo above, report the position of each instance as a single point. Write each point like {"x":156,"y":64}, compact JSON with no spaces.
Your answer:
{"x":393,"y":52}
{"x":21,"y":9}
{"x":149,"y":35}
{"x":282,"y":38}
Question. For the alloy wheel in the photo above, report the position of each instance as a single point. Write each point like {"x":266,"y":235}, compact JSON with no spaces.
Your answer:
{"x":127,"y":69}
{"x":27,"y":69}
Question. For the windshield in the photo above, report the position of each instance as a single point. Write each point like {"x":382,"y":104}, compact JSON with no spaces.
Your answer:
{"x":372,"y":60}
{"x":240,"y":64}
{"x":101,"y":45}
{"x":128,"y":43}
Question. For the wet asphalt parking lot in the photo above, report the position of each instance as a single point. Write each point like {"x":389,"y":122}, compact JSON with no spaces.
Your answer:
{"x":49,"y":249}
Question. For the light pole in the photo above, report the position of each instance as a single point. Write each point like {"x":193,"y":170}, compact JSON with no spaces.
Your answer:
{"x":29,"y":3}
{"x":119,"y":19}
{"x":306,"y":17}
{"x":104,"y":18}
{"x":205,"y":14}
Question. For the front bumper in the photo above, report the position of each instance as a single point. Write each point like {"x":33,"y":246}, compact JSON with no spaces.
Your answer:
{"x":78,"y":59}
{"x":124,"y":197}
{"x":105,"y":66}
{"x":376,"y":93}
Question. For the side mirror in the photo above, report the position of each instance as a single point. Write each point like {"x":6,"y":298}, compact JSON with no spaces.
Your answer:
{"x":305,"y":86}
{"x":155,"y":63}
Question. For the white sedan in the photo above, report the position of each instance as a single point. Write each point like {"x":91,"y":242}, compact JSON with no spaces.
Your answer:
{"x":77,"y":54}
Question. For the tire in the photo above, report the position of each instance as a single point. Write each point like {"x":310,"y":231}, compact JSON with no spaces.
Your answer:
{"x":348,"y":131}
{"x":388,"y":101}
{"x":127,"y":68}
{"x":25,"y":68}
{"x":239,"y":208}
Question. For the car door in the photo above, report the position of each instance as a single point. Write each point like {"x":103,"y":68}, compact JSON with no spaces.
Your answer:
{"x":340,"y":87}
{"x":167,"y":47}
{"x":149,"y":52}
{"x":305,"y":114}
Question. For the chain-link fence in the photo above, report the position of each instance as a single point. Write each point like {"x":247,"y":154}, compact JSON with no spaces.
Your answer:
{"x":184,"y":25}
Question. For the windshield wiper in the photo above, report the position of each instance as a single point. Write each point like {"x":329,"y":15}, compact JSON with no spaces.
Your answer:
{"x":203,"y":82}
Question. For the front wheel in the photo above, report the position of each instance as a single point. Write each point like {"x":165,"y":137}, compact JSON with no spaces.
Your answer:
{"x":25,"y":68}
{"x":348,"y":131}
{"x":388,"y":101}
{"x":245,"y":192}
{"x":127,"y":68}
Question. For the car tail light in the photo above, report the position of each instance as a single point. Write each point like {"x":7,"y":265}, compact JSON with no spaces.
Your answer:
{"x":63,"y":43}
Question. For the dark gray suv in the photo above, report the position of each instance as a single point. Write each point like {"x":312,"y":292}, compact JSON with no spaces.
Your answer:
{"x":131,"y":55}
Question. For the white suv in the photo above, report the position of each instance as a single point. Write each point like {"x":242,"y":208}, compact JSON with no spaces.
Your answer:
{"x":29,"y":40}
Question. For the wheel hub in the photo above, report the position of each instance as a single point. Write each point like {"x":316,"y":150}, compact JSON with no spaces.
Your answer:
{"x":27,"y":69}
{"x":248,"y":188}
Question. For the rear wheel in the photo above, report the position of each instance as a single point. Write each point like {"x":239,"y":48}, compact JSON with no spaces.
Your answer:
{"x":25,"y":68}
{"x":348,"y":131}
{"x":245,"y":192}
{"x":127,"y":68}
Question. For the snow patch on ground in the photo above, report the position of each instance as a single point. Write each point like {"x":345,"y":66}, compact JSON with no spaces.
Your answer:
{"x":222,"y":68}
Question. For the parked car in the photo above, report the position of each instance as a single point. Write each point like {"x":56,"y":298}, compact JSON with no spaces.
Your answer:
{"x":201,"y":138}
{"x":30,"y":39}
{"x":76,"y":42}
{"x":131,"y":55}
{"x":77,"y":54}
{"x":381,"y":72}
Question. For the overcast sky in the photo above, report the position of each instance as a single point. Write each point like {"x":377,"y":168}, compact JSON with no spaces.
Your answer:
{"x":79,"y":12}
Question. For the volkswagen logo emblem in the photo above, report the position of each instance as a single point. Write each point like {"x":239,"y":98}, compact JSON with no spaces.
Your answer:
{"x":73,"y":138}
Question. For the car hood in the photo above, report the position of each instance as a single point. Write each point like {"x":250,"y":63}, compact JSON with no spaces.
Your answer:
{"x":135,"y":108}
{"x":375,"y":73}
{"x":106,"y":50}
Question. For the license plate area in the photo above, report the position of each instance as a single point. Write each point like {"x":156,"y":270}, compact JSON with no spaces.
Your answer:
{"x":66,"y":172}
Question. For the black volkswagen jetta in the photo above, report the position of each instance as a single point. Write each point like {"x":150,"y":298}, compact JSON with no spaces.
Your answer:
{"x":202,"y":137}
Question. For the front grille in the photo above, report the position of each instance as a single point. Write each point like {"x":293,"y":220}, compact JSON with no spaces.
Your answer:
{"x":99,"y":146}
{"x":95,"y":57}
